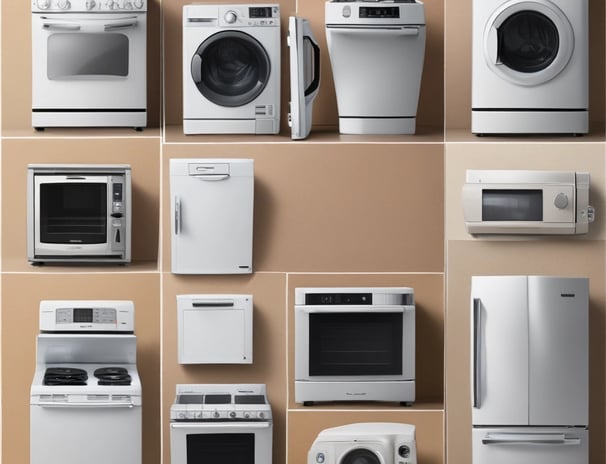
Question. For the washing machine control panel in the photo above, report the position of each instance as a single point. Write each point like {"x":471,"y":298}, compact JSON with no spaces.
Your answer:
{"x":258,"y":15}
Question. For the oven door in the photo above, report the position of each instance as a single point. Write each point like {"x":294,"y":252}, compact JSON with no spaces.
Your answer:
{"x":71,"y":215}
{"x":76,"y":433}
{"x":221,"y":442}
{"x":89,"y":61}
{"x":349,"y":343}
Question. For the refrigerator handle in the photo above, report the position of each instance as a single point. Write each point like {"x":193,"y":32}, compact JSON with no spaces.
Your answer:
{"x":177,"y":215}
{"x":529,"y":439}
{"x":477,"y":344}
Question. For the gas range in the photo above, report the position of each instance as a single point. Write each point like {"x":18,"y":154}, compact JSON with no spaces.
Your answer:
{"x":220,"y":403}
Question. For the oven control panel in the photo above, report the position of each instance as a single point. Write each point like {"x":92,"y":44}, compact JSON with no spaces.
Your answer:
{"x":92,"y":6}
{"x":86,"y":316}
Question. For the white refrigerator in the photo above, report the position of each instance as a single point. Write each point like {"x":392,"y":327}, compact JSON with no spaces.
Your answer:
{"x":529,"y":369}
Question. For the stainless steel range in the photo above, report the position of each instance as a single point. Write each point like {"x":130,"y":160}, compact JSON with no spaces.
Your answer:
{"x":89,"y":63}
{"x":85,"y":403}
{"x":221,"y":423}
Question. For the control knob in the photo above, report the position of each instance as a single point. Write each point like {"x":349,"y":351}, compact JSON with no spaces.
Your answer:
{"x":561,"y":200}
{"x":261,"y":415}
{"x":232,"y":414}
{"x":230,"y":17}
{"x":216,"y":415}
{"x":139,"y":4}
{"x":43,"y":4}
{"x":127,"y":5}
{"x":90,"y":4}
{"x":404,"y":451}
{"x":64,"y":4}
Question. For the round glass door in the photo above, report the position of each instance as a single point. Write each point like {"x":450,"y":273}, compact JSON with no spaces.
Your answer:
{"x":230,"y":68}
{"x":360,"y":456}
{"x":528,"y":42}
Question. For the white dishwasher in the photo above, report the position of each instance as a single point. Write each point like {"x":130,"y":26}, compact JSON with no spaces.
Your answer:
{"x":212,"y":216}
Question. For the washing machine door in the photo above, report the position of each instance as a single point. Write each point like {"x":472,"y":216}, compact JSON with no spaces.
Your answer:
{"x":528,"y":42}
{"x":360,"y":456}
{"x":230,"y":68}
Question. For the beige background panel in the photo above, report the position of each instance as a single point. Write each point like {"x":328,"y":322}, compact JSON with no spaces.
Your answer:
{"x":465,"y":259}
{"x":269,"y":345}
{"x":429,"y":325}
{"x":304,"y":427}
{"x":351,"y":208}
{"x":458,"y":39}
{"x":21,"y":295}
{"x":577,"y":157}
{"x":17,"y":69}
{"x":142,"y":154}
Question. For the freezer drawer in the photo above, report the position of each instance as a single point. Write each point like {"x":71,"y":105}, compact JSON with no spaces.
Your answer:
{"x":529,"y":445}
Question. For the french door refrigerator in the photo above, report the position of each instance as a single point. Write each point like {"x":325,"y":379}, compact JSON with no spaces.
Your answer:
{"x":529,"y":369}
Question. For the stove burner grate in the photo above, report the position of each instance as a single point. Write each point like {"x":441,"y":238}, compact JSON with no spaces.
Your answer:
{"x":64,"y":376}
{"x":112,"y":376}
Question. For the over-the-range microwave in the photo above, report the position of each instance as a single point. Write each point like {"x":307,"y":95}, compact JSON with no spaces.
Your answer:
{"x":354,"y":344}
{"x":78,"y":213}
{"x":527,"y":202}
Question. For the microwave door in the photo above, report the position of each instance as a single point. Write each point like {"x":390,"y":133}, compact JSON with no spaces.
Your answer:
{"x":499,"y":354}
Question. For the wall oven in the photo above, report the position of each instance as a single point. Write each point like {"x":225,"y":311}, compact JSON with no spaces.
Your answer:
{"x":221,"y":423}
{"x":89,"y":63}
{"x":78,"y":213}
{"x":354,"y":344}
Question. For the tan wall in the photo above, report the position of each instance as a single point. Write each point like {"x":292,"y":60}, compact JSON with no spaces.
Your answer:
{"x":332,"y":210}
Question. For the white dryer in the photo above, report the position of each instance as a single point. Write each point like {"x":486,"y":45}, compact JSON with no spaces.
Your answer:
{"x":365,"y":443}
{"x":376,"y":50}
{"x":231,"y":69}
{"x":530,"y":67}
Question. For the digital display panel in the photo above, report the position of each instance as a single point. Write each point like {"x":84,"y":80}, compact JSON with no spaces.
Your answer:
{"x":259,"y":12}
{"x":512,"y":205}
{"x":83,"y":315}
{"x":379,"y":12}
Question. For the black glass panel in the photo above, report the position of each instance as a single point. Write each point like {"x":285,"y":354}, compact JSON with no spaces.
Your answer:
{"x":217,"y":399}
{"x":230,"y":68}
{"x":355,"y":344}
{"x":528,"y":41}
{"x":71,"y":55}
{"x":221,"y":448}
{"x":190,"y":399}
{"x":73,"y":213}
{"x":512,"y":205}
{"x":360,"y":456}
{"x":249,"y":399}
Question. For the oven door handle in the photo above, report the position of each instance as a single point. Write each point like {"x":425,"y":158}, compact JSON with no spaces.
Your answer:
{"x":107,"y":25}
{"x":220,"y":425}
{"x":51,"y":404}
{"x":50,"y":25}
{"x":351,"y":309}
{"x":120,"y":24}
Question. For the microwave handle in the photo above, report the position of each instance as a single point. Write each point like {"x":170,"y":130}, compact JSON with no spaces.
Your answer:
{"x":477,"y":345}
{"x":177,"y":215}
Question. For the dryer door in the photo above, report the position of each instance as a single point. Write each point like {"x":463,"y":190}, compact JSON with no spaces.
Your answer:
{"x":528,"y":42}
{"x":230,"y":68}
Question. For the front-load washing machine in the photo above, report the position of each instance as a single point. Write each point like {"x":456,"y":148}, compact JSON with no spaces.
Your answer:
{"x":231,"y":69}
{"x":365,"y":443}
{"x":377,"y":50}
{"x":530,"y":67}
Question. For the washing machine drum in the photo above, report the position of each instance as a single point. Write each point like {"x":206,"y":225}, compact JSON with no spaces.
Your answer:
{"x":230,"y":68}
{"x":527,"y":42}
{"x":360,"y":456}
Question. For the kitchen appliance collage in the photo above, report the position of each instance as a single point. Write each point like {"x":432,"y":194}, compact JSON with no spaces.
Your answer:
{"x":303,"y":232}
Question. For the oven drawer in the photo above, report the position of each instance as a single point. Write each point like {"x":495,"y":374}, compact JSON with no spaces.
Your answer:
{"x":84,"y":433}
{"x":234,"y":442}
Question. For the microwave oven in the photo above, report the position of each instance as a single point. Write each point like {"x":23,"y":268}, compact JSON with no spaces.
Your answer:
{"x":527,"y":202}
{"x":78,"y":213}
{"x":354,"y":344}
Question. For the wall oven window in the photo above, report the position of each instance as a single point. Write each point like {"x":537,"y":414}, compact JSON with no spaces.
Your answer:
{"x":76,"y":55}
{"x":232,"y":448}
{"x":512,"y":205}
{"x":73,"y":213}
{"x":355,"y":344}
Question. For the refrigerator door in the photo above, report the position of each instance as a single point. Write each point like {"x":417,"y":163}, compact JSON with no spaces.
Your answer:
{"x":530,"y":445}
{"x":212,"y":216}
{"x":559,"y":350}
{"x":499,"y":354}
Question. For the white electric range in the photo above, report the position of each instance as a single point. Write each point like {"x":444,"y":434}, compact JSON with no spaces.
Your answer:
{"x":85,"y":403}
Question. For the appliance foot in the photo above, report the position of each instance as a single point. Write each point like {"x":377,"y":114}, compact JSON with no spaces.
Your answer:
{"x":39,"y":129}
{"x":308,"y":403}
{"x":139,"y":129}
{"x":407,"y":404}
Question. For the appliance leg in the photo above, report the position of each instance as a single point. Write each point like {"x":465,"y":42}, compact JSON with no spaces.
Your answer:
{"x":39,"y":129}
{"x":139,"y":129}
{"x":407,"y":404}
{"x":308,"y":403}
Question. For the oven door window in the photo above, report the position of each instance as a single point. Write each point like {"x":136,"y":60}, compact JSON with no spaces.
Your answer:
{"x":87,"y":55}
{"x":343,"y":344}
{"x":221,"y":448}
{"x":73,"y":213}
{"x":512,"y":205}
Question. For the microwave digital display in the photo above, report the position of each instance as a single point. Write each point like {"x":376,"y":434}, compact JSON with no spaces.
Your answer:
{"x":512,"y":205}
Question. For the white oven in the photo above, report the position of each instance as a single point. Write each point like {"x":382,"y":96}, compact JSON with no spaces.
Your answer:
{"x":78,"y":213}
{"x":224,"y":423}
{"x":89,"y":63}
{"x":354,"y":344}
